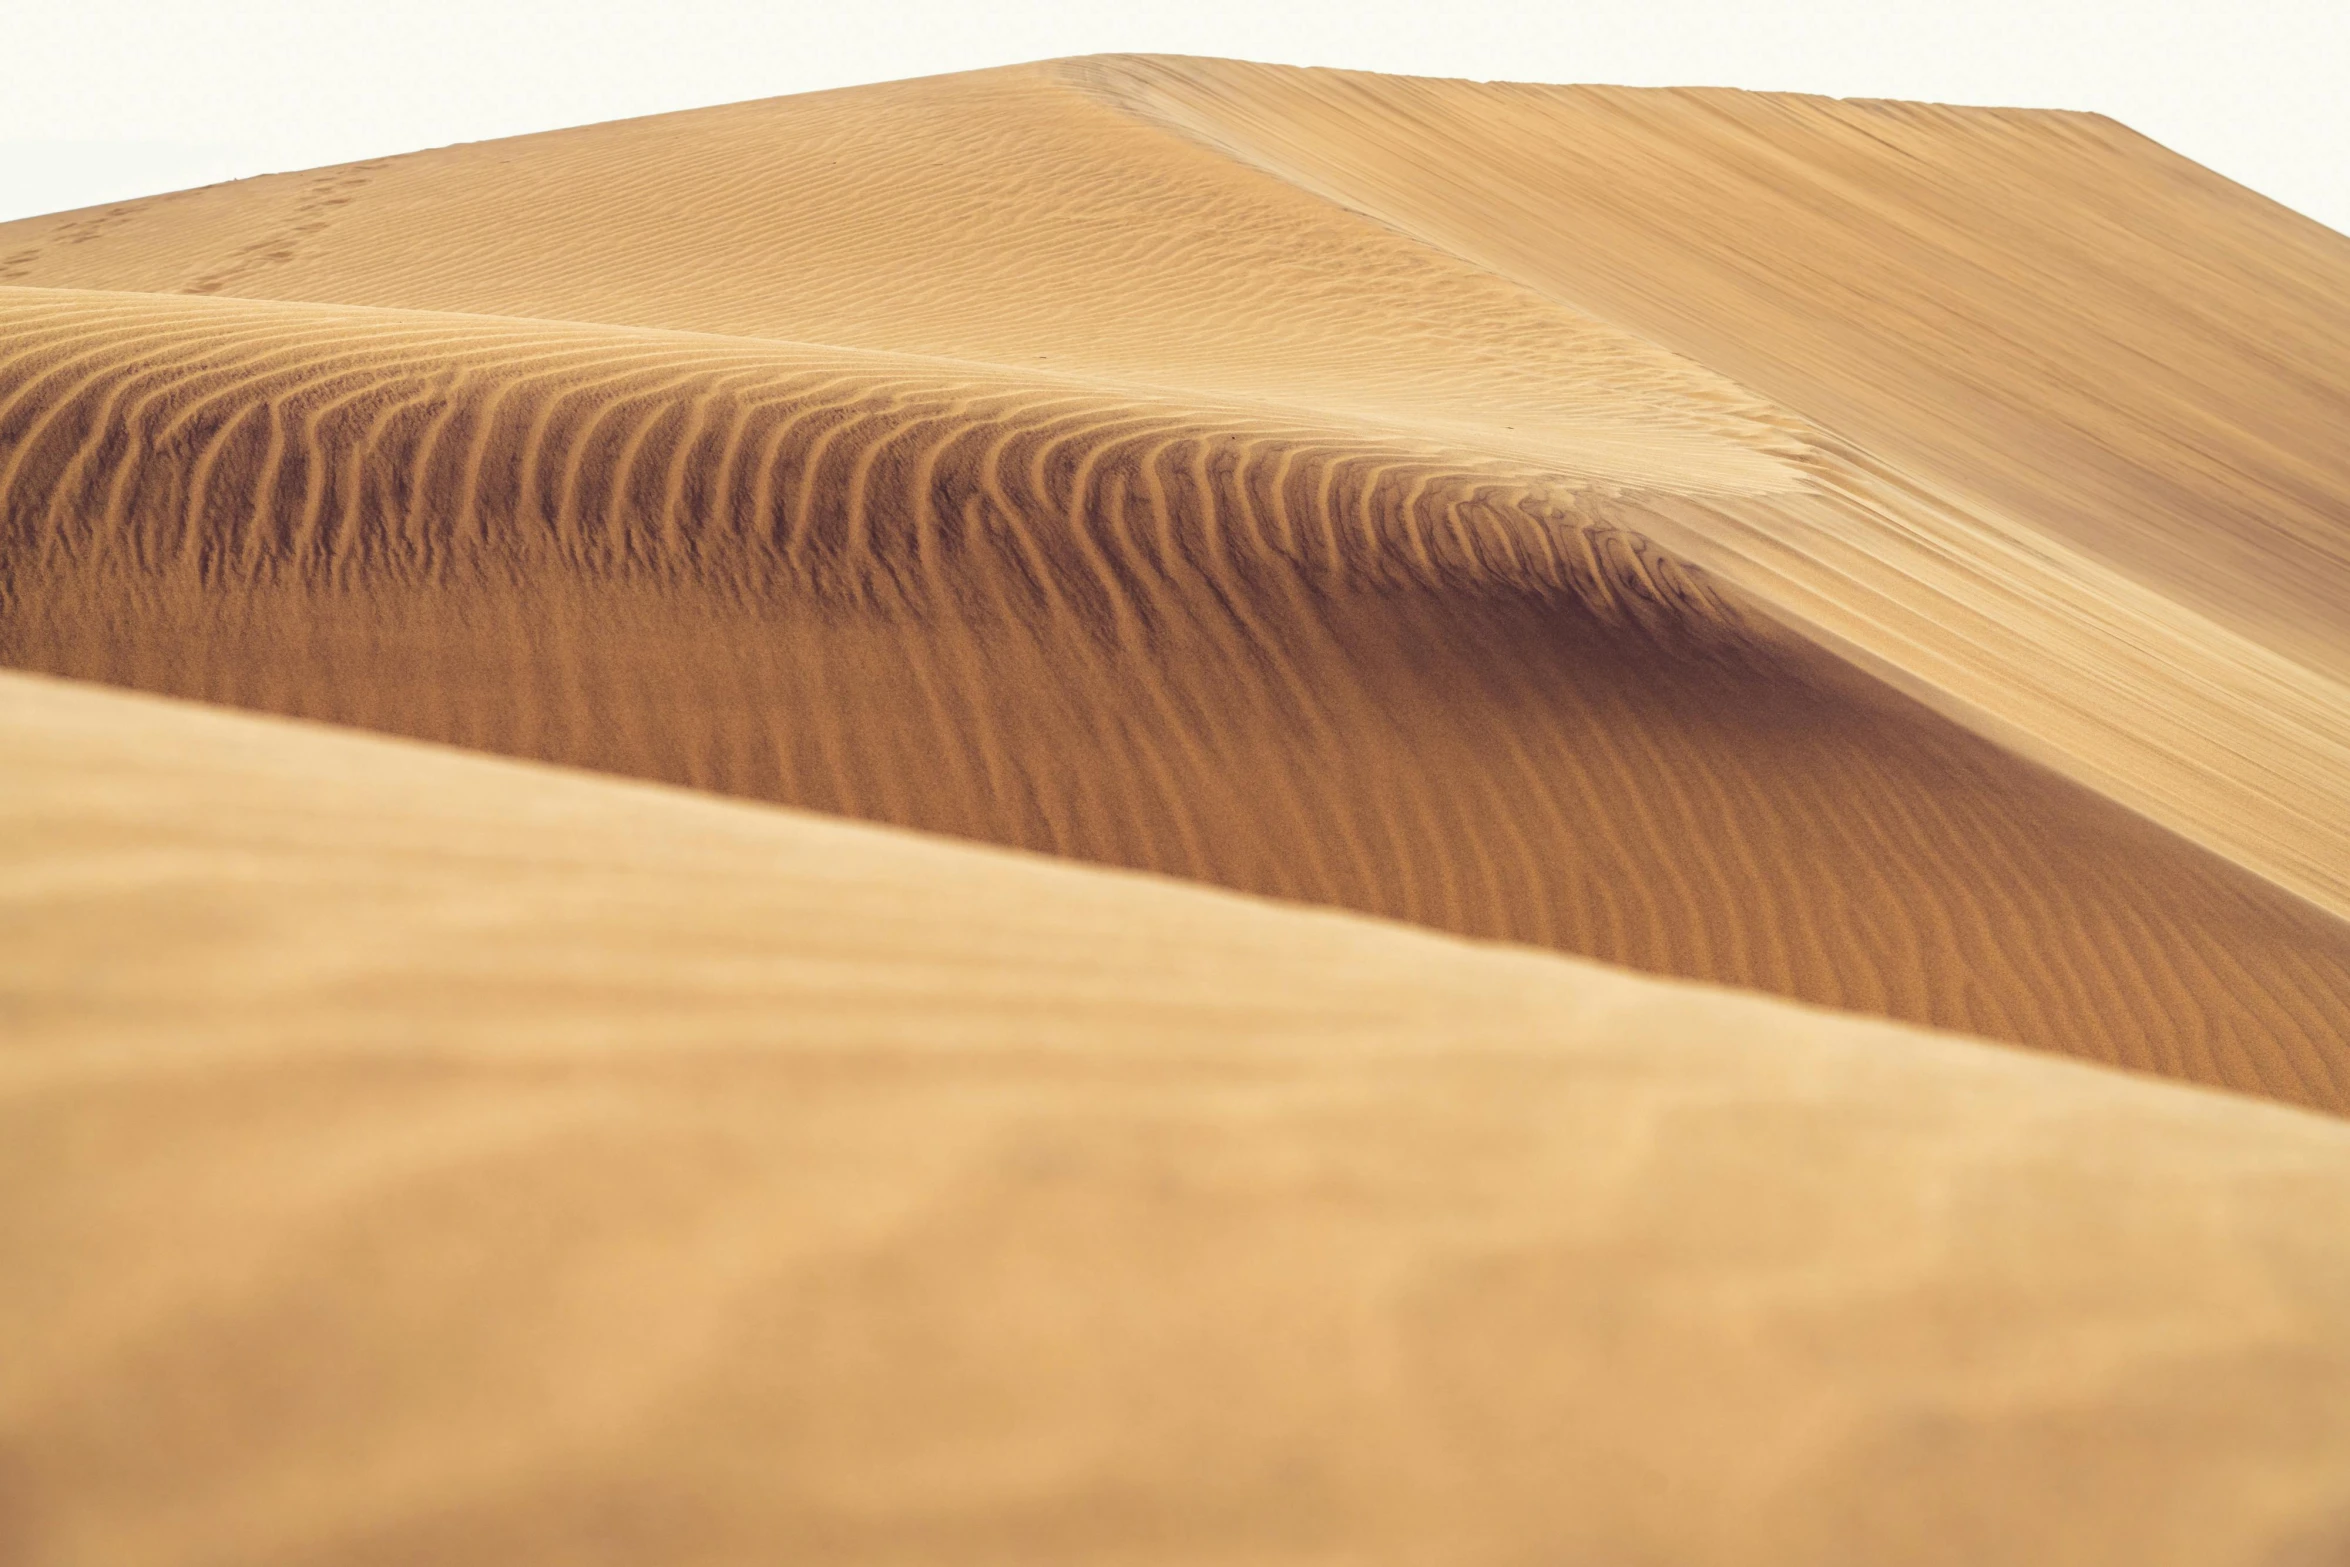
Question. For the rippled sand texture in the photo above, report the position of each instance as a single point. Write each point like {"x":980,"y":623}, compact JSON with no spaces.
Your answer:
{"x":1327,"y":664}
{"x":448,"y":1159}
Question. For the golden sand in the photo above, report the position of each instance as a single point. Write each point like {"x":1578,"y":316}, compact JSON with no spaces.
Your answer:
{"x":1878,"y":556}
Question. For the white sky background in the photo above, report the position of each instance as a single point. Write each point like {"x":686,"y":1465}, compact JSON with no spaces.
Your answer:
{"x":101,"y":100}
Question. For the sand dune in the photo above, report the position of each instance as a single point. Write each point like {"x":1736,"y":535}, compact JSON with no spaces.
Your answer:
{"x":1878,"y":556}
{"x":2065,"y":403}
{"x":461,"y":1161}
{"x":1318,"y":663}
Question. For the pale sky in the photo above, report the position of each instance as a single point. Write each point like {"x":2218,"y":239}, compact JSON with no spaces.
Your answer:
{"x":101,"y":100}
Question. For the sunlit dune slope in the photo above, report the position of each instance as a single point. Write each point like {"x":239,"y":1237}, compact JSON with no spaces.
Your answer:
{"x":2064,"y":405}
{"x":460,"y":1161}
{"x":2074,"y":403}
{"x":2044,"y":313}
{"x":1238,"y":644}
{"x":1001,"y":215}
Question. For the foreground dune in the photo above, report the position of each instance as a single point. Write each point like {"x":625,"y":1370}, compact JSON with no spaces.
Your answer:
{"x":458,"y":1160}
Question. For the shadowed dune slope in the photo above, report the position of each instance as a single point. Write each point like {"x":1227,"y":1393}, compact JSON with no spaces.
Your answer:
{"x":1314,"y":660}
{"x":460,"y":1161}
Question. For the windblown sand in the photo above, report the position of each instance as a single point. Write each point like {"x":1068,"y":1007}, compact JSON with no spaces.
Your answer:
{"x":1880,"y":556}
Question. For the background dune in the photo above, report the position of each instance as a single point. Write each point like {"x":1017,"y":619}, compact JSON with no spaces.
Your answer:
{"x":457,"y":1160}
{"x":2063,"y":403}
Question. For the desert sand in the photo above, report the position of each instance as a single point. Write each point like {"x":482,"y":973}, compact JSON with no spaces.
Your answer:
{"x":451,"y":1159}
{"x":1883,"y":558}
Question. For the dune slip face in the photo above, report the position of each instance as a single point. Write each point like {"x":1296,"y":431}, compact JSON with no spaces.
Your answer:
{"x":462,"y":1160}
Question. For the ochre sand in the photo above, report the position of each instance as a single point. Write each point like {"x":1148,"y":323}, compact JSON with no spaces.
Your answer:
{"x":1881,"y":555}
{"x":457,"y":1160}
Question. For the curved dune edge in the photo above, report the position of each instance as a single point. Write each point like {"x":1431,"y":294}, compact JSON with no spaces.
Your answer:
{"x":462,"y":1160}
{"x":1230,"y":643}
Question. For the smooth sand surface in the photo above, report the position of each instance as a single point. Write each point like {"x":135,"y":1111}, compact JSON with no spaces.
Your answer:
{"x":1877,"y":556}
{"x":449,"y":1159}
